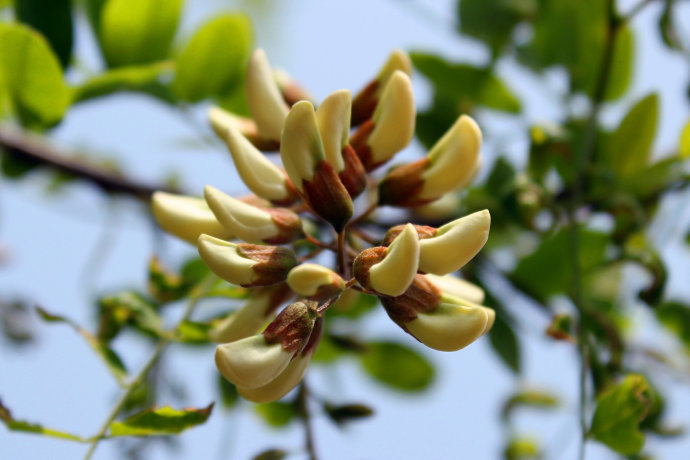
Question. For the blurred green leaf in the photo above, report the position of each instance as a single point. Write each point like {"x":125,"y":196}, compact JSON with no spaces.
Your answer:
{"x":15,"y":167}
{"x":561,"y":328}
{"x":138,"y":31}
{"x":271,"y":454}
{"x":31,"y":76}
{"x":397,"y":366}
{"x":546,"y":271}
{"x":128,"y":308}
{"x":655,"y":178}
{"x":342,"y":414}
{"x":353,"y":305}
{"x":522,"y":448}
{"x":277,"y":414}
{"x":684,"y":147}
{"x":676,"y":317}
{"x":622,"y":60}
{"x":161,"y":421}
{"x":493,"y":21}
{"x":537,"y":399}
{"x":214,"y":60}
{"x":94,"y":9}
{"x":27,"y":427}
{"x":466,"y":85}
{"x":53,"y":19}
{"x":667,"y":27}
{"x":505,"y":343}
{"x":144,"y":78}
{"x":194,"y":332}
{"x":229,"y":395}
{"x":165,"y":285}
{"x":630,"y":145}
{"x":619,"y":412}
{"x":109,"y":357}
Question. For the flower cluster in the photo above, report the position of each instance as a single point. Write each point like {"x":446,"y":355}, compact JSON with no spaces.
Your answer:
{"x":329,"y":155}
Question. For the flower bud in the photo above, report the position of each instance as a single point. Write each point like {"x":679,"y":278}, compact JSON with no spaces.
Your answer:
{"x":333,"y":117}
{"x":291,"y":91}
{"x":265,"y":102}
{"x":260,"y":175}
{"x":253,"y":224}
{"x":389,"y":270}
{"x":455,"y":244}
{"x":450,"y":165}
{"x":304,"y":158}
{"x":221,"y":120}
{"x":186,"y":217}
{"x":256,"y":361}
{"x":254,"y":314}
{"x":366,"y":101}
{"x":315,"y":282}
{"x":246,"y":264}
{"x":391,"y":127}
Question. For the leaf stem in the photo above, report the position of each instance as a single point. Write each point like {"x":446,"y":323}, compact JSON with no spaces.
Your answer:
{"x":303,"y":404}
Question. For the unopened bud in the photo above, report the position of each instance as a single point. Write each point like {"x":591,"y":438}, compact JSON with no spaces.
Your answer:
{"x":186,"y":217}
{"x":246,"y":264}
{"x":365,"y":102}
{"x":315,"y":282}
{"x":257,"y":172}
{"x":290,"y":89}
{"x":253,"y":224}
{"x":391,"y":127}
{"x":265,"y":102}
{"x":221,"y":120}
{"x":389,"y":270}
{"x":304,"y":158}
{"x":455,"y":244}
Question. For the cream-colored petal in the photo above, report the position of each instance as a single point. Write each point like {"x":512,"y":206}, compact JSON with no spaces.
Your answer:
{"x":455,"y":244}
{"x":333,"y":117}
{"x":305,"y":279}
{"x":398,"y":60}
{"x":450,"y":327}
{"x":394,"y":274}
{"x":453,"y":159}
{"x":265,"y":102}
{"x":186,"y":217}
{"x":245,"y":221}
{"x":454,"y":287}
{"x":260,"y":175}
{"x":394,"y":118}
{"x":221,"y":120}
{"x":251,"y":362}
{"x":281,"y":385}
{"x":301,"y":148}
{"x":491,"y":317}
{"x":223,"y":260}
{"x":244,"y":322}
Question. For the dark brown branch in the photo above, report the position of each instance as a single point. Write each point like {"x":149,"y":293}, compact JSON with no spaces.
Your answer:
{"x":33,"y":149}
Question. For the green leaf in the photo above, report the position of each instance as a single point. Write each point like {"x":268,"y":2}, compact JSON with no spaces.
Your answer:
{"x":529,"y":398}
{"x":505,"y":343}
{"x":522,"y":448}
{"x":348,"y":412}
{"x":493,"y":21}
{"x":656,"y":178}
{"x":619,"y":412}
{"x":630,"y":146}
{"x":668,"y":29}
{"x":27,"y":427}
{"x":161,"y":421}
{"x":147,"y":79}
{"x":132,"y":308}
{"x":15,"y":167}
{"x":622,"y":60}
{"x":676,"y":317}
{"x":277,"y":414}
{"x":229,"y":395}
{"x":31,"y":77}
{"x":271,"y":454}
{"x":138,"y":31}
{"x":684,"y":147}
{"x":109,"y":357}
{"x":466,"y":85}
{"x":94,"y":9}
{"x":546,"y":271}
{"x":215,"y":58}
{"x":193,"y":332}
{"x":397,"y":366}
{"x":53,"y":19}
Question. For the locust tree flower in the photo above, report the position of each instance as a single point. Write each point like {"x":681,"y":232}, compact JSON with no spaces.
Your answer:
{"x":255,"y":361}
{"x":251,"y":223}
{"x":315,"y":282}
{"x":186,"y":217}
{"x":304,"y":157}
{"x":246,"y":264}
{"x":266,"y":103}
{"x":450,"y":165}
{"x":389,"y":270}
{"x":391,"y":127}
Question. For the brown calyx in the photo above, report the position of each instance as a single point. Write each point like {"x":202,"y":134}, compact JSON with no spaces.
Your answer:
{"x":292,"y":328}
{"x":272,"y":262}
{"x":364,"y":103}
{"x":421,"y":297}
{"x":293,"y":193}
{"x":402,"y":185}
{"x":353,"y":177}
{"x":328,"y":197}
{"x":359,"y":142}
{"x":423,"y":231}
{"x":364,"y":261}
{"x":289,"y":225}
{"x":277,"y":295}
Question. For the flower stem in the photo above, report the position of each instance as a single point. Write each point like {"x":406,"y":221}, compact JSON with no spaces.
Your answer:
{"x":303,"y":404}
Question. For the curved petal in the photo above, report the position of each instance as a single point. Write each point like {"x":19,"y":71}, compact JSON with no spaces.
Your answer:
{"x":251,"y":362}
{"x":186,"y":217}
{"x":394,"y":274}
{"x":450,"y":327}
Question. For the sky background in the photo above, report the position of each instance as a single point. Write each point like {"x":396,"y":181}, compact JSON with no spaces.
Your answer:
{"x":67,"y":249}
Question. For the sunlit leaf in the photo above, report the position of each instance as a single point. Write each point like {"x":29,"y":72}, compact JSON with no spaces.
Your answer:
{"x":160,"y":421}
{"x":536,"y":399}
{"x":622,"y":60}
{"x":53,"y":19}
{"x":397,"y":366}
{"x":684,"y":148}
{"x":20,"y":425}
{"x":215,"y":58}
{"x":619,"y":412}
{"x":277,"y":414}
{"x":522,"y":448}
{"x":130,"y":308}
{"x":194,"y":332}
{"x":145,"y":78}
{"x":31,"y":76}
{"x":271,"y":454}
{"x":138,"y":31}
{"x":630,"y":146}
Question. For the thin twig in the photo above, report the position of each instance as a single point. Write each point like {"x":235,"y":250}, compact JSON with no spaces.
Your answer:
{"x":303,"y":403}
{"x":340,"y":253}
{"x":31,"y":148}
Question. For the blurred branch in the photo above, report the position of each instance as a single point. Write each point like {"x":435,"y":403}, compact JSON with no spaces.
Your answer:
{"x":303,"y":404}
{"x":32,"y":148}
